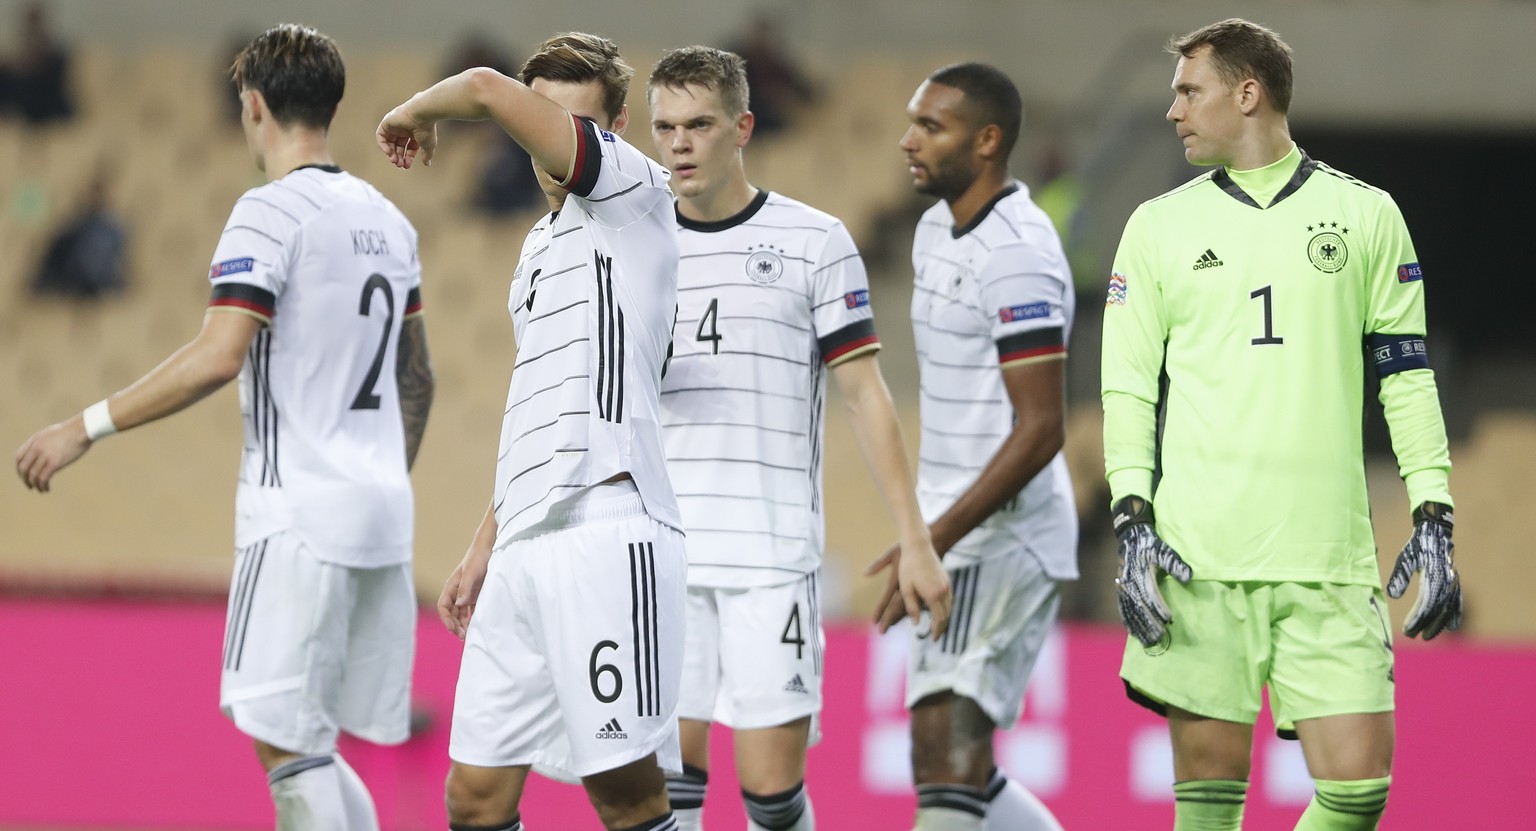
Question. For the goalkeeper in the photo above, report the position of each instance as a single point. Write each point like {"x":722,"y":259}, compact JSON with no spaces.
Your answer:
{"x":1244,"y":309}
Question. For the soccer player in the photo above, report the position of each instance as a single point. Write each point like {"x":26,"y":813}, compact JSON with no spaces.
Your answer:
{"x":570,"y":597}
{"x":771,"y":295}
{"x":991,"y":311}
{"x":1259,"y":292}
{"x":316,"y":295}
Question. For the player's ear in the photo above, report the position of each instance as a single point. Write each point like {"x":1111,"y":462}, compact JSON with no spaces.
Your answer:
{"x":1249,"y":93}
{"x":257,"y":103}
{"x":621,"y":120}
{"x":744,"y":125}
{"x":989,"y":141}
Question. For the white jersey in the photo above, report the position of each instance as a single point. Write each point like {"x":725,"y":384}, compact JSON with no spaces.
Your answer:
{"x":330,"y":266}
{"x":766,"y":300}
{"x":592,"y":303}
{"x":994,"y":293}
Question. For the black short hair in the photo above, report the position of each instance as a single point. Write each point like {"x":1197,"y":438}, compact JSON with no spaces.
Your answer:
{"x":297,"y":70}
{"x":989,"y":94}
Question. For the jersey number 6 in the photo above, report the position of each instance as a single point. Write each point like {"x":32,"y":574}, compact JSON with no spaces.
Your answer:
{"x":596,"y":671}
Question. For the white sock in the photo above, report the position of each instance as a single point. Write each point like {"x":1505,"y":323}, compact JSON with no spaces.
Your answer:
{"x":689,"y":819}
{"x":1012,"y":808}
{"x":948,"y":819}
{"x":806,"y":822}
{"x":361,"y":815}
{"x":685,"y":792}
{"x":307,"y":793}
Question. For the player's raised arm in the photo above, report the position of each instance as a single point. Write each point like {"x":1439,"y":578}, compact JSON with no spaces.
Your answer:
{"x":543,"y":128}
{"x":192,"y":372}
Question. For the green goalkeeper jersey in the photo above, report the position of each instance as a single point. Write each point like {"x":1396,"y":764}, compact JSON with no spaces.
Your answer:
{"x":1246,"y":307}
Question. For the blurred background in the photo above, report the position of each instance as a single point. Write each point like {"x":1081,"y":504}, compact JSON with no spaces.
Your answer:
{"x":121,"y":155}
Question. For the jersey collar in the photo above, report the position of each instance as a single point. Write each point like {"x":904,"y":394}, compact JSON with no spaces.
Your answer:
{"x":729,"y":222}
{"x":1304,"y":171}
{"x":961,"y":230}
{"x":327,"y":168}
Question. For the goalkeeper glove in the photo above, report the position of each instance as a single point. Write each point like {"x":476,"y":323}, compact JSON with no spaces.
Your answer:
{"x":1438,"y":606}
{"x":1142,"y":609}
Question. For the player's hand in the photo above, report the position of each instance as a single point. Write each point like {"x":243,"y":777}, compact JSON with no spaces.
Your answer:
{"x":456,"y":604}
{"x":917,"y":582}
{"x":1438,"y":606}
{"x":1142,"y":554}
{"x":403,"y":137}
{"x":50,"y":450}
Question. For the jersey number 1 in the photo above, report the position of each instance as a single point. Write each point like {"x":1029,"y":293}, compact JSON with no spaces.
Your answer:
{"x":366,"y":398}
{"x":1269,"y":317}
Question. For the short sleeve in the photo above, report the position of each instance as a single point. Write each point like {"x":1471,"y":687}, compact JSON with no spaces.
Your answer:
{"x":250,"y":263}
{"x":840,"y":310}
{"x":1022,"y":290}
{"x":618,"y":183}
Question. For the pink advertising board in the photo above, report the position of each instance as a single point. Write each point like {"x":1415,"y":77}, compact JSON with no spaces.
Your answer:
{"x":108,"y":719}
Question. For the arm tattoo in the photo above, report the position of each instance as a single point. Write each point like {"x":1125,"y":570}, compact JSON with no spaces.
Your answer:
{"x":413,"y":375}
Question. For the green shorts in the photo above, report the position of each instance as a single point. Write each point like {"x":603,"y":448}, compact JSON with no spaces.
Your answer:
{"x":1323,"y":649}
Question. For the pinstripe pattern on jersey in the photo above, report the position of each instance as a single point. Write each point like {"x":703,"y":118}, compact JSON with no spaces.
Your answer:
{"x":610,"y":344}
{"x":263,"y":415}
{"x":766,"y":300}
{"x":970,"y":280}
{"x":647,"y":647}
{"x":241,"y":600}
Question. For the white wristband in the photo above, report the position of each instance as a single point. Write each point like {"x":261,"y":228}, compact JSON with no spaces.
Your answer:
{"x":98,"y":421}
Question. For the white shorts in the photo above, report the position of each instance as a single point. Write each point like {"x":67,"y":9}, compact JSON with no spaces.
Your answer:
{"x":754,"y":656}
{"x":311,"y":648}
{"x":1003,"y":609}
{"x":574,"y":654}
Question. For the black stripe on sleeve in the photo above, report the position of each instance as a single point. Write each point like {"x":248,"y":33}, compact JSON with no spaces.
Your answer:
{"x":845,"y":340}
{"x":1032,"y":344}
{"x":244,"y":296}
{"x":1397,"y":353}
{"x":588,"y":162}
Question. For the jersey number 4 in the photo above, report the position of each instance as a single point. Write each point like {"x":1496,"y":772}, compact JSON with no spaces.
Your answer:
{"x":366,"y":398}
{"x":711,"y":319}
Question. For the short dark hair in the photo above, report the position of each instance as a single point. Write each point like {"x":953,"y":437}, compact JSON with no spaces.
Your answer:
{"x":708,"y":67}
{"x":297,"y":70}
{"x":990,"y":94}
{"x":576,"y":58}
{"x":1241,"y":50}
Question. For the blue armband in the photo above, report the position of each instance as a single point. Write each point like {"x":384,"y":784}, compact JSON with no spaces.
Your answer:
{"x":1396,"y":353}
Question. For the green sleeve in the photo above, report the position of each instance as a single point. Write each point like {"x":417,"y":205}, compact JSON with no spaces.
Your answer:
{"x":1135,"y":335}
{"x":1409,"y":399}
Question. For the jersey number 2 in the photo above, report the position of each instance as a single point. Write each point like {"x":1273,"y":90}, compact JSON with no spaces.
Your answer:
{"x":366,"y":398}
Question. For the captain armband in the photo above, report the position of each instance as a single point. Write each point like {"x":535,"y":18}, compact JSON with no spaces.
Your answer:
{"x":1397,"y":353}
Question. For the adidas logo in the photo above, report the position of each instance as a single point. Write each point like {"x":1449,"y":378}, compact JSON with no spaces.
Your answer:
{"x":796,"y":685}
{"x":611,"y":730}
{"x":1207,"y":260}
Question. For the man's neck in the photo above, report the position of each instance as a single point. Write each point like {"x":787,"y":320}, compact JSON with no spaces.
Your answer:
{"x":296,"y":148}
{"x":1263,"y":150}
{"x":723,"y":203}
{"x":981,"y":191}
